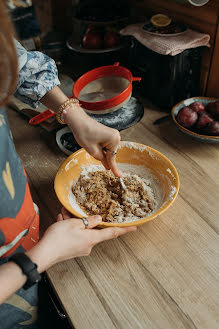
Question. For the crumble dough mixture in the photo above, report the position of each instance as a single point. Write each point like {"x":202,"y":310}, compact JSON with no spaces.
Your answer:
{"x":101,"y":193}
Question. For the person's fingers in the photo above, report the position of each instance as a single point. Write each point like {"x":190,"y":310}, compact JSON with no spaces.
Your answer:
{"x":59,"y":218}
{"x":111,"y":161}
{"x":103,"y":158}
{"x":105,"y":164}
{"x":65,"y":213}
{"x":112,"y":233}
{"x":93,"y":221}
{"x":97,"y":152}
{"x":110,"y":152}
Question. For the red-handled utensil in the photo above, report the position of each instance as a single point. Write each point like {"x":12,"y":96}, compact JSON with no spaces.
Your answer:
{"x":136,"y":79}
{"x":41,"y":117}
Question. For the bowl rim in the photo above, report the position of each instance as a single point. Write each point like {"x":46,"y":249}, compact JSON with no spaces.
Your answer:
{"x":158,"y":212}
{"x":190,"y":132}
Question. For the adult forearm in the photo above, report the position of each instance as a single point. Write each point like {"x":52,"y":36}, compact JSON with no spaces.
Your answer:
{"x":12,"y":277}
{"x":75,"y":117}
{"x":54,"y":98}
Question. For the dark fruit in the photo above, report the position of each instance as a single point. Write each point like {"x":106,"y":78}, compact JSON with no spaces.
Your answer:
{"x":213,"y":108}
{"x":111,"y":39}
{"x":213,"y":128}
{"x":209,"y":107}
{"x":92,"y":40}
{"x":91,"y":28}
{"x":187,"y":117}
{"x":203,"y":120}
{"x":197,"y":106}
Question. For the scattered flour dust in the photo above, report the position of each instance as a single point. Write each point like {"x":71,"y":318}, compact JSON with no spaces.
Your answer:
{"x":69,"y":164}
{"x":130,"y":209}
{"x":134,"y":146}
{"x":131,"y":145}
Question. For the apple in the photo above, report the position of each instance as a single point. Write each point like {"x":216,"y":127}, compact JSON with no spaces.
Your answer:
{"x":92,"y":39}
{"x":197,"y":107}
{"x":111,"y":39}
{"x":213,"y":108}
{"x":213,"y":128}
{"x":203,"y":120}
{"x":187,"y":117}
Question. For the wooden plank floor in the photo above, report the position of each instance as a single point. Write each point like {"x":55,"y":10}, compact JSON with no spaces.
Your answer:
{"x":165,"y":275}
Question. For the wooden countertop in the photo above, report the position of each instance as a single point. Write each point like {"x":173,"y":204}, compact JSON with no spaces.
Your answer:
{"x":165,"y":275}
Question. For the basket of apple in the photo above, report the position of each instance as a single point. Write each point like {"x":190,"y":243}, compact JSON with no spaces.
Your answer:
{"x":198,"y":117}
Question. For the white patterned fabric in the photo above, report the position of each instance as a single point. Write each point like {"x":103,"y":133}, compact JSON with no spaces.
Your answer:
{"x":37,"y":75}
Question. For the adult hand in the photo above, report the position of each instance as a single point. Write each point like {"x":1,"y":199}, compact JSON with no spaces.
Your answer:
{"x":68,"y":238}
{"x":89,"y":134}
{"x":94,"y":137}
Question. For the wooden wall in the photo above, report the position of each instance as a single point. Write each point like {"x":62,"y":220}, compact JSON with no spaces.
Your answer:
{"x":54,"y":14}
{"x":57,"y":13}
{"x":213,"y":82}
{"x":203,"y":19}
{"x":43,"y":10}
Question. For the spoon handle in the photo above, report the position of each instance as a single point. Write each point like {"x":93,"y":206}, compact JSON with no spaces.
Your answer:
{"x":122,"y":184}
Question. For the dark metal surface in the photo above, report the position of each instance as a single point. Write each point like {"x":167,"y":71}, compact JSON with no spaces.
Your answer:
{"x":121,"y":119}
{"x":124,"y":117}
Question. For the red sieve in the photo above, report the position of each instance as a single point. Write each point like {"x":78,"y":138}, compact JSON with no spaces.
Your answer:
{"x":105,"y":88}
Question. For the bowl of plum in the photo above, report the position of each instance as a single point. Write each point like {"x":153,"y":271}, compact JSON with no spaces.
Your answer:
{"x":198,"y":117}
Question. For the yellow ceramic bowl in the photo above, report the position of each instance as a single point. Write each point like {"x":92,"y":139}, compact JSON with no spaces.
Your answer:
{"x":131,"y":153}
